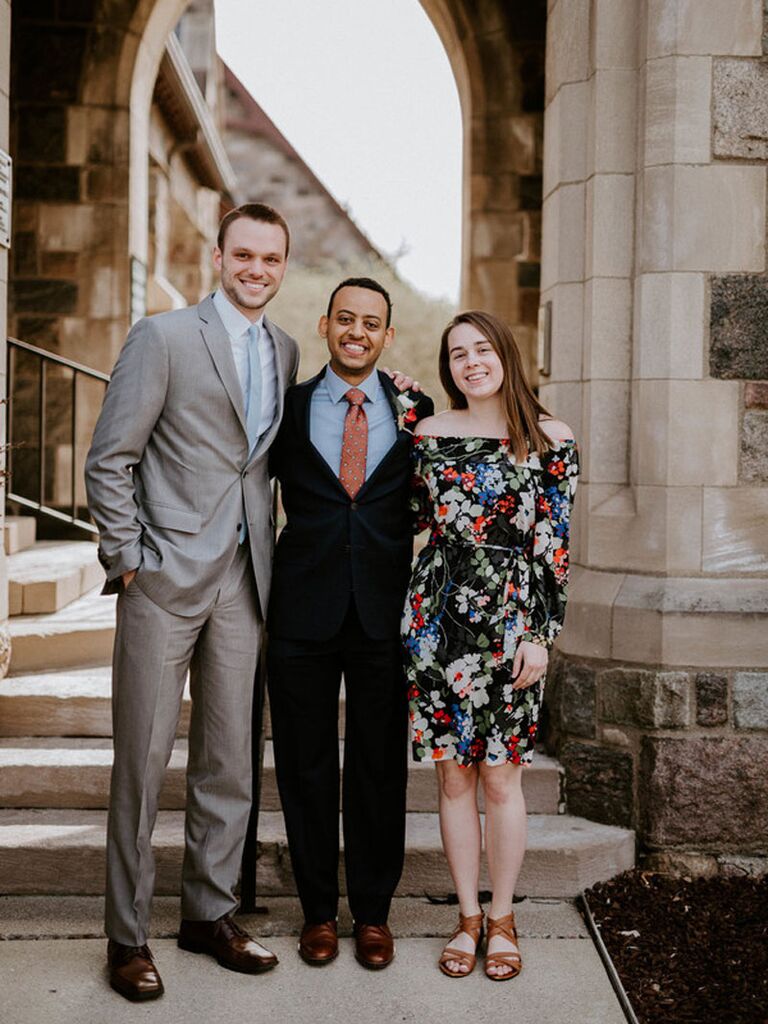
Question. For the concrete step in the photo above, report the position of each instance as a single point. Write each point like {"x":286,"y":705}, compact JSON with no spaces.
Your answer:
{"x":19,"y":533}
{"x":51,"y":574}
{"x":74,"y":702}
{"x":75,"y":773}
{"x":78,"y":635}
{"x":62,"y":852}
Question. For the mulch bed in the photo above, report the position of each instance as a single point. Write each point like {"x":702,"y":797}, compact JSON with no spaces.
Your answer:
{"x":688,"y":951}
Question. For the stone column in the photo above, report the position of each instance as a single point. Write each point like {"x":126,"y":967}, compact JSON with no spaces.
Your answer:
{"x":5,"y":68}
{"x":659,"y":700}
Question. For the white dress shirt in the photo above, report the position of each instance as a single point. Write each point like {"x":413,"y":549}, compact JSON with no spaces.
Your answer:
{"x":236,"y":324}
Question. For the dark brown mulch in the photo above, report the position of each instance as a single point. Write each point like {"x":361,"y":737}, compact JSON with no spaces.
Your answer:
{"x":688,"y":951}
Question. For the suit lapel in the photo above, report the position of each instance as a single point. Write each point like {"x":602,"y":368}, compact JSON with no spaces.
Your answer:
{"x":220,"y":349}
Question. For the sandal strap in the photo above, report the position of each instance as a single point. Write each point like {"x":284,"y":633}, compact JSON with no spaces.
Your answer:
{"x":472,"y":925}
{"x":459,"y":955}
{"x":504,"y":926}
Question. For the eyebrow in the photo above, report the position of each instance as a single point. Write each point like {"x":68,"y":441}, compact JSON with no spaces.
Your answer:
{"x":366,"y":316}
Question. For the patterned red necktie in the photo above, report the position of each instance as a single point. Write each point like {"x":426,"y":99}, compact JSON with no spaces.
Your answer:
{"x":354,"y":444}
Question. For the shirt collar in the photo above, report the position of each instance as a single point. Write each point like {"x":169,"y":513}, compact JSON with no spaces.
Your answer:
{"x":337,"y":387}
{"x":235,"y":322}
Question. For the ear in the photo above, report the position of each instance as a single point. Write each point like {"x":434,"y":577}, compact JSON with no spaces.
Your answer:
{"x":389,"y":337}
{"x":322,"y":326}
{"x":217,"y":257}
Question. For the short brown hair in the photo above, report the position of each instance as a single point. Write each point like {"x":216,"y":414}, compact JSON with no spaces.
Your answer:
{"x":255,"y":211}
{"x":522,"y":408}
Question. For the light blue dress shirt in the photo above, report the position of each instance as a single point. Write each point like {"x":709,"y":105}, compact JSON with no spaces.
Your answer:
{"x":236,"y":325}
{"x":329,"y":409}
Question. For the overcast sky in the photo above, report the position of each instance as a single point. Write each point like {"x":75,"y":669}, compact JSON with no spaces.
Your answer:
{"x":364,"y":91}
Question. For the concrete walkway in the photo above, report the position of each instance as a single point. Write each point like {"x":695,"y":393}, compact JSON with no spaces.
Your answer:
{"x":52,"y":972}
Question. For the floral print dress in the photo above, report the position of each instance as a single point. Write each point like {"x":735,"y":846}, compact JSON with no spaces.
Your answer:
{"x":493,"y":572}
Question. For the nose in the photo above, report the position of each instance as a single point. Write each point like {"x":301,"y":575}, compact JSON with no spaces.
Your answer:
{"x":256,"y":267}
{"x":356,"y":329}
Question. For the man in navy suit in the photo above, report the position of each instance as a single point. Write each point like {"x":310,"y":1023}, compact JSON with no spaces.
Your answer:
{"x":341,"y":569}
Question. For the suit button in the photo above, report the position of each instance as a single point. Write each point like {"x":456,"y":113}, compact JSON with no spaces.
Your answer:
{"x":353,"y":505}
{"x":244,"y":474}
{"x":239,"y":527}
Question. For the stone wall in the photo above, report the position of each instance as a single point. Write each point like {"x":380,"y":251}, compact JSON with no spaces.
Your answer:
{"x":655,"y":259}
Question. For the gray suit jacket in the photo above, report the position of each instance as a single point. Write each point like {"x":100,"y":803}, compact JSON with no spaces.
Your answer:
{"x":169,"y":470}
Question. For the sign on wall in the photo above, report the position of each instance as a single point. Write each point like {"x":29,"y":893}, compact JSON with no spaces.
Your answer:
{"x":6,"y":199}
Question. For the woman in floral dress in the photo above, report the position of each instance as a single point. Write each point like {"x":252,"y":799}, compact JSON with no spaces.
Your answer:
{"x":494,"y":481}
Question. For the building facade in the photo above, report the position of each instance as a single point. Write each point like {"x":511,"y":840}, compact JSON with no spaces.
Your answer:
{"x":615,"y":214}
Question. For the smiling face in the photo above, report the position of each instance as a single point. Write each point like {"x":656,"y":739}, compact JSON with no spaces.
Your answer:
{"x":476,"y":368}
{"x":356,"y":332}
{"x":252,"y":264}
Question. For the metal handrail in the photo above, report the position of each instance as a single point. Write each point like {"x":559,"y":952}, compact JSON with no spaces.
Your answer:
{"x":46,"y":358}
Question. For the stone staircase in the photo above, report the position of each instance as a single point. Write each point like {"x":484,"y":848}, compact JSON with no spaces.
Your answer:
{"x":55,"y":758}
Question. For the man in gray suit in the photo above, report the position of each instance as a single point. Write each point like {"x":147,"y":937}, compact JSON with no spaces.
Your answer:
{"x":178,"y":485}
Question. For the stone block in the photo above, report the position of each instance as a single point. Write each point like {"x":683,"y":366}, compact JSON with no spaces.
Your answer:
{"x":645,"y":699}
{"x":706,"y":218}
{"x":756,"y":395}
{"x":568,"y":31}
{"x":607,"y":328}
{"x":606,"y":430}
{"x":577,"y":714}
{"x":60,"y":184}
{"x":754,"y":447}
{"x":728,"y":27}
{"x":587,"y":630}
{"x":563,"y":236}
{"x":711,"y":699}
{"x":615,"y":32}
{"x":738,"y":315}
{"x":740,"y":101}
{"x":44,"y":296}
{"x":565,"y":136}
{"x":42,"y":135}
{"x":677,"y":111}
{"x":669,"y":326}
{"x":496,"y":236}
{"x":667,"y":411}
{"x":703,"y":791}
{"x":734,"y":537}
{"x":610,"y":220}
{"x":599,"y":783}
{"x":611,"y":139}
{"x":567,"y":319}
{"x":750,"y":700}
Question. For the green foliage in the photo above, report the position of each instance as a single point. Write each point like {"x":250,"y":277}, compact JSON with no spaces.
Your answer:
{"x":418,"y":320}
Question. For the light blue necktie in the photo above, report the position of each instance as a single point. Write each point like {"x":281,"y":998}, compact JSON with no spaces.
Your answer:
{"x":252,"y":396}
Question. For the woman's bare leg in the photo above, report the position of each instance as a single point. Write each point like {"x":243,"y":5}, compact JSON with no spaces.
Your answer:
{"x":506,"y":833}
{"x":462,"y":842}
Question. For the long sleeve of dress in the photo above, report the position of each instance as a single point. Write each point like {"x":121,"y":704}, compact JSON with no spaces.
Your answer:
{"x":549,"y":577}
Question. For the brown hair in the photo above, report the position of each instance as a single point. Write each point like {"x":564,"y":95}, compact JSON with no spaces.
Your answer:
{"x":255,"y":211}
{"x":521,"y":407}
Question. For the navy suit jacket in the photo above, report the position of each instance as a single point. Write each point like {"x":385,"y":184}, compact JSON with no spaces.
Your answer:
{"x":334,"y":549}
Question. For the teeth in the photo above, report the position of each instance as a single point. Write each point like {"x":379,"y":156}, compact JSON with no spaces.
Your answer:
{"x":356,"y":350}
{"x":476,"y":376}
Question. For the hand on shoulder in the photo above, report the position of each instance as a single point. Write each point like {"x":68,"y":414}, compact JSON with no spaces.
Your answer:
{"x":556,"y":430}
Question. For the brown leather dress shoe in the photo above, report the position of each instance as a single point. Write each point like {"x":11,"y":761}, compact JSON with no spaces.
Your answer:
{"x":319,"y":943}
{"x":132,"y":972}
{"x":374,"y":946}
{"x":230,"y":944}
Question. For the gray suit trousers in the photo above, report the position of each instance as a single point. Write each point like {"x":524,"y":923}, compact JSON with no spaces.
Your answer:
{"x":153,"y":651}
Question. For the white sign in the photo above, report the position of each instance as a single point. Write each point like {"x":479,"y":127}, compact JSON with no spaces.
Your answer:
{"x":6,"y":199}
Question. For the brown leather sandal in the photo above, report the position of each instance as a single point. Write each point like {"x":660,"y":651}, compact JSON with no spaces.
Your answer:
{"x":473,"y":927}
{"x":505,"y":927}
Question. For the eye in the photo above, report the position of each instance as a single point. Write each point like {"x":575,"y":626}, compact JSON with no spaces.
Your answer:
{"x":372,"y":325}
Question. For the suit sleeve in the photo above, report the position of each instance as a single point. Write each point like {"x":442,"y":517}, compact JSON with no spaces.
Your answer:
{"x":132,"y":405}
{"x":421,"y":502}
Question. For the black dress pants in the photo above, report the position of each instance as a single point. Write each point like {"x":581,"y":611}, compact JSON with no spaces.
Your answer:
{"x":304,"y":681}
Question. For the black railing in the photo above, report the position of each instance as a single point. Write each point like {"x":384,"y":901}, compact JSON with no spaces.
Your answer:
{"x":30,"y":399}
